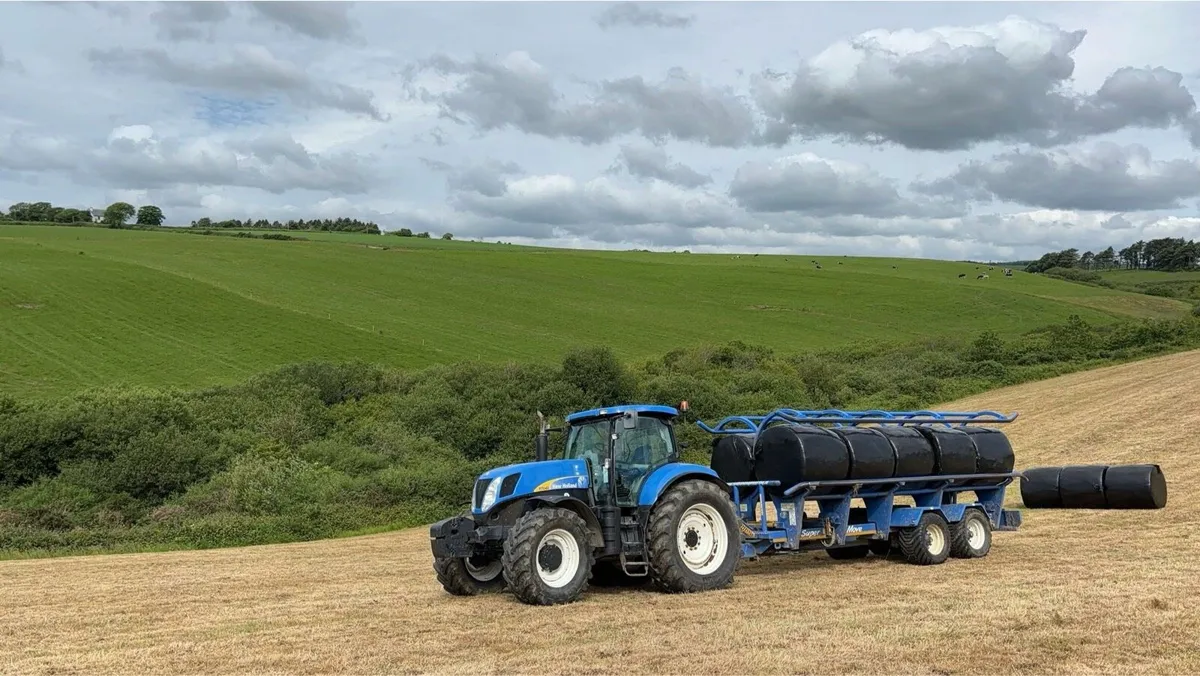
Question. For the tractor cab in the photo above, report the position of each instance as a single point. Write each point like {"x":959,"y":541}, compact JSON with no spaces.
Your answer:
{"x":622,"y":446}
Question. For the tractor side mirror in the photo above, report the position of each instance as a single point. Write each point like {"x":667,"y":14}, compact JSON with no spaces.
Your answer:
{"x":630,"y":420}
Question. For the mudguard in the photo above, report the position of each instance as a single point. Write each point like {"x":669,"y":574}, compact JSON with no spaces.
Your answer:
{"x":659,"y":480}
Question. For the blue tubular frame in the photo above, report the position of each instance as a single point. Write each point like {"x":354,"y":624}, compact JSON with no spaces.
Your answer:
{"x":832,"y":526}
{"x":754,"y":424}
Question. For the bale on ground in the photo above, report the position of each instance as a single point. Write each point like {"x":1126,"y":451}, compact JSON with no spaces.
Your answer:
{"x":1082,"y":487}
{"x":1039,"y":488}
{"x":1135,"y":487}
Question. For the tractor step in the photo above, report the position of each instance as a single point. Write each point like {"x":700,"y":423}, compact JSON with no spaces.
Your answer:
{"x":629,"y":567}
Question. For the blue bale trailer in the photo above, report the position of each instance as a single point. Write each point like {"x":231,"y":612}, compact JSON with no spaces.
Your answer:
{"x":621,"y":503}
{"x":925,"y":518}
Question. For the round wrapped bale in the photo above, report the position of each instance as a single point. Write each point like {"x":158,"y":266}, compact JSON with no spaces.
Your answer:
{"x":993,"y":451}
{"x":871,"y":454}
{"x":1135,"y":487}
{"x":914,"y":453}
{"x":953,"y":450}
{"x":1039,"y":488}
{"x":733,"y":458}
{"x":791,"y":454}
{"x":1082,"y":487}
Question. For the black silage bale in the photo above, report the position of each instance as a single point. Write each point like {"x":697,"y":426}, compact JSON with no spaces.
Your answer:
{"x":1082,"y":487}
{"x":1039,"y":488}
{"x":791,"y":454}
{"x":914,"y":453}
{"x":993,"y":451}
{"x":871,"y":454}
{"x":1135,"y":487}
{"x":733,"y":458}
{"x":953,"y":450}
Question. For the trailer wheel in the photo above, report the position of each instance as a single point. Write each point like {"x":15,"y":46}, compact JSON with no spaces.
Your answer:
{"x":547,"y":559}
{"x":693,"y":538}
{"x":971,"y":538}
{"x":469,"y":576}
{"x":928,"y":543}
{"x":847,"y":553}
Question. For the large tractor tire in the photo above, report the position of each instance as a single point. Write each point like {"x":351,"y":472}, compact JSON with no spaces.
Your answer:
{"x":971,"y":538}
{"x":693,"y":538}
{"x":547,"y":557}
{"x":471,"y":576}
{"x":928,"y":543}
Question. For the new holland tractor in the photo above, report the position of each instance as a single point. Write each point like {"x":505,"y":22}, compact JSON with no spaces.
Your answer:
{"x":619,"y":495}
{"x":619,"y":499}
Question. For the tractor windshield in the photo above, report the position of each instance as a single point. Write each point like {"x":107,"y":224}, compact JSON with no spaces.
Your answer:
{"x":638,"y":450}
{"x":589,"y":442}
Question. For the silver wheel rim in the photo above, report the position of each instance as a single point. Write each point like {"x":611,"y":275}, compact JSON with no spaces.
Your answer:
{"x":935,"y":539}
{"x":976,"y":535}
{"x":557,"y":573}
{"x":701,"y":539}
{"x":485,"y":573}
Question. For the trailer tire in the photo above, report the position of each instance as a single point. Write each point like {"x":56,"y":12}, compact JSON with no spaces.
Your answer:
{"x":462,"y":578}
{"x":547,"y":557}
{"x":971,"y":538}
{"x":848,"y":553}
{"x":928,"y":543}
{"x":690,"y":519}
{"x":880,"y":547}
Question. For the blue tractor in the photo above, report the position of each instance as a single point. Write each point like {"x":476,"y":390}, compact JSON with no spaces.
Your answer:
{"x":619,"y":500}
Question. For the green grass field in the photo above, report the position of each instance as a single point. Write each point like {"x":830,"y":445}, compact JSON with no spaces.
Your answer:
{"x":1181,"y":285}
{"x":90,"y":306}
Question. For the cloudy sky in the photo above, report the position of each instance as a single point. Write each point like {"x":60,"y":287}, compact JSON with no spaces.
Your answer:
{"x":950,"y":130}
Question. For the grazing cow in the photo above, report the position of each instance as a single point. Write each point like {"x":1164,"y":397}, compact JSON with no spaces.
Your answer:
{"x":983,"y":276}
{"x":962,"y":275}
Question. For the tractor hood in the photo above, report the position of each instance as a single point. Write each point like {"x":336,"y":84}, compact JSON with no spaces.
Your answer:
{"x":502,"y":484}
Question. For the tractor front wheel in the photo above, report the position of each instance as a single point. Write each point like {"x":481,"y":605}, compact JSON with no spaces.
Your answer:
{"x":547,"y":557}
{"x":693,"y":538}
{"x":469,"y":576}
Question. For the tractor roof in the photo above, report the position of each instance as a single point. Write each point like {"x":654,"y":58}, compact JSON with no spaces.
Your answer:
{"x":609,"y":411}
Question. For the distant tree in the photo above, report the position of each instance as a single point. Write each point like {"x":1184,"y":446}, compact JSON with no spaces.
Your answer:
{"x":404,"y":232}
{"x":150,"y":215}
{"x":424,"y":235}
{"x":1087,"y":259}
{"x":118,"y":213}
{"x":447,"y":236}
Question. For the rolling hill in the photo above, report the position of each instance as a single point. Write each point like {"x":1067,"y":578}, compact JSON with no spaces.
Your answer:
{"x":89,"y":306}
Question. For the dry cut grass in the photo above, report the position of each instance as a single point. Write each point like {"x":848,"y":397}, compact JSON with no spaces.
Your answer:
{"x":1072,"y":592}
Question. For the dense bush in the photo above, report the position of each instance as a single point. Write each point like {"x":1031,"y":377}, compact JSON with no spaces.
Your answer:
{"x":317,"y":450}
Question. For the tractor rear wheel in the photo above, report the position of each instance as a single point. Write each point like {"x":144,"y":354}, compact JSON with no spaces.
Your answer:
{"x":469,"y":576}
{"x":547,"y":557}
{"x":928,"y":543}
{"x":971,"y":538}
{"x":693,"y":538}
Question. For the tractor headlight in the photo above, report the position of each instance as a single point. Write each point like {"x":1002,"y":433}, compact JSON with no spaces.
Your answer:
{"x":489,"y":496}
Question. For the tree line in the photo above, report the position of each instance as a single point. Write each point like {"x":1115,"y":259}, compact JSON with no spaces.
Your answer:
{"x":115,"y":215}
{"x":1167,"y":254}
{"x":323,"y":225}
